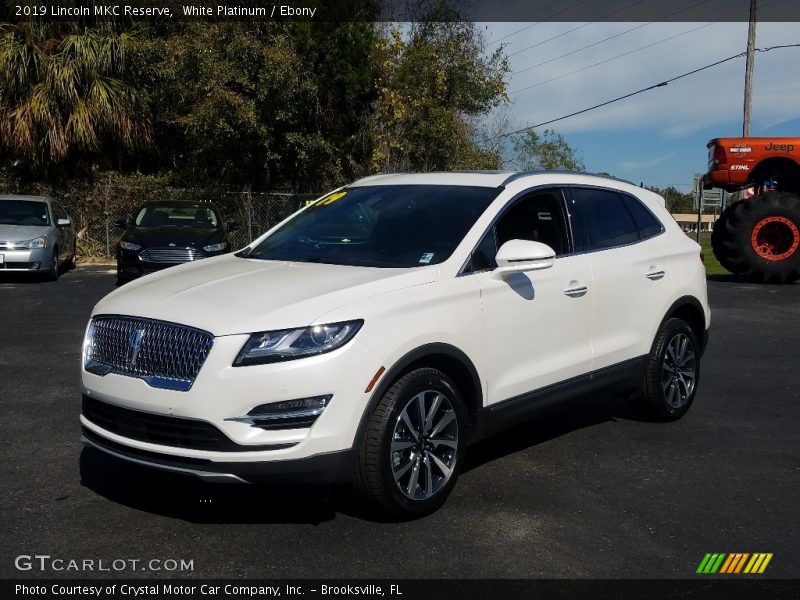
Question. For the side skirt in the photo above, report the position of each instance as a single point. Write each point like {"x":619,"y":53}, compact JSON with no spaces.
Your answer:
{"x":497,"y":417}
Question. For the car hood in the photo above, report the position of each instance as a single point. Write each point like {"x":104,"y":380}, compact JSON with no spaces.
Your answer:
{"x":180,"y":236}
{"x":228,"y":295}
{"x":21,"y":233}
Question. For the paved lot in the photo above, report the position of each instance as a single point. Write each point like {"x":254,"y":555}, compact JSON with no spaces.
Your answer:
{"x":593,"y":492}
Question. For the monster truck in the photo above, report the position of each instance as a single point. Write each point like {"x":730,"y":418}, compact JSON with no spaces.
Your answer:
{"x":758,"y":237}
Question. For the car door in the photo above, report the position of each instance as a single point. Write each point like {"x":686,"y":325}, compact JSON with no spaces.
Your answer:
{"x":632,"y":287}
{"x":64,"y":233}
{"x":535,"y":325}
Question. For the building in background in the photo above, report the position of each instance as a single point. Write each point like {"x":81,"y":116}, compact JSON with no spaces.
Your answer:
{"x":688,"y":222}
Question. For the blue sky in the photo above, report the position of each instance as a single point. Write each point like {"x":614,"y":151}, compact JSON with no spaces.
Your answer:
{"x":657,"y":137}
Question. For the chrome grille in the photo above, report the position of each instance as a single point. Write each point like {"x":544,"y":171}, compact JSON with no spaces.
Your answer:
{"x":171,"y":256}
{"x":165,"y":355}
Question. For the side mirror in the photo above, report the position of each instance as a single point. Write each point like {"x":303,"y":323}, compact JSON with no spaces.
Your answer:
{"x":232,"y":226}
{"x":63,"y":223}
{"x":518,"y":256}
{"x":122,"y":223}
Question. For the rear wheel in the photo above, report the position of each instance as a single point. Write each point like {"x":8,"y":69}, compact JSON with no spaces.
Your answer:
{"x":414,"y":446}
{"x":759,"y":238}
{"x":673,"y":372}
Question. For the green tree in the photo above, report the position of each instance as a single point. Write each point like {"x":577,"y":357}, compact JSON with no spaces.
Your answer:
{"x":264,"y":105}
{"x":675,"y":200}
{"x":546,"y":151}
{"x":435,"y":80}
{"x":67,"y":97}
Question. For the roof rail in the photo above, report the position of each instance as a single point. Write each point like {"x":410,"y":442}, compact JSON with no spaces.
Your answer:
{"x":521,"y":174}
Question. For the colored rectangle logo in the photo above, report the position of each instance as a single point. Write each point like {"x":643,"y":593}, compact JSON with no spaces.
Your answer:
{"x":734,"y":563}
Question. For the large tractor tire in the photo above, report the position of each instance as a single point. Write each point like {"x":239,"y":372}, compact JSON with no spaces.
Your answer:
{"x":759,"y":238}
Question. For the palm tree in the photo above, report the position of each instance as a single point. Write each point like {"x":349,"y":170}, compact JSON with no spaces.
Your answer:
{"x":63,"y":88}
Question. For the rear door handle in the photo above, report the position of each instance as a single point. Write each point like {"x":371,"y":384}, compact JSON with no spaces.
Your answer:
{"x":655,"y":275}
{"x":576,"y":292}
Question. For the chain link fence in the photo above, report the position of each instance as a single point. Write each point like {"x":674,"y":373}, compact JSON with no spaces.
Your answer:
{"x":96,"y":210}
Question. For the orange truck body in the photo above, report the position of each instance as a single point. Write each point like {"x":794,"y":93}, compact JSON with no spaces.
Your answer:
{"x":736,"y":163}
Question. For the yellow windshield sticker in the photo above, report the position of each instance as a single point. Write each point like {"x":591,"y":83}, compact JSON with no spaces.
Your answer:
{"x":330,"y":198}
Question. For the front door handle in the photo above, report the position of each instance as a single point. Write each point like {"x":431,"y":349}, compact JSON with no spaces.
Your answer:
{"x":655,"y":275}
{"x":576,"y":292}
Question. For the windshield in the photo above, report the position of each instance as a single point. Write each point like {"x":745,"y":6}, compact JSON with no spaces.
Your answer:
{"x":379,"y":226}
{"x":23,"y":212}
{"x":162,"y":215}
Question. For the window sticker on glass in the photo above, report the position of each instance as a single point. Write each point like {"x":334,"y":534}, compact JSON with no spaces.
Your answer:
{"x":545,"y":216}
{"x":426,"y":258}
{"x":331,"y":198}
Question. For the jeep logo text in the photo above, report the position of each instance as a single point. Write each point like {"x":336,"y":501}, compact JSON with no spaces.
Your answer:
{"x":781,"y":147}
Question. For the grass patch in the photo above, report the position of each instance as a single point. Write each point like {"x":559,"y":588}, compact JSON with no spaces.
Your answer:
{"x":711,"y":263}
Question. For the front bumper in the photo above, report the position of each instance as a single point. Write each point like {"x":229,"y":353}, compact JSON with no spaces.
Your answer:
{"x":219,"y":395}
{"x":37,"y":259}
{"x":322,"y":469}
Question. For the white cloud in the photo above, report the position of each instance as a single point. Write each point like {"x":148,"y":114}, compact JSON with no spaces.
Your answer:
{"x":630,"y":165}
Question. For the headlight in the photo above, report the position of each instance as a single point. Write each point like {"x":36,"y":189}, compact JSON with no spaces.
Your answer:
{"x":289,"y":344}
{"x":40,"y":242}
{"x":129,"y":246}
{"x":216,"y":247}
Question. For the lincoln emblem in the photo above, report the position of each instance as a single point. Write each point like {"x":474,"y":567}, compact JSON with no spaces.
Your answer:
{"x":136,"y":346}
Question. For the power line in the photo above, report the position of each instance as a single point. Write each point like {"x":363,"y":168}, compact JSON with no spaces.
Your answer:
{"x":607,"y":60}
{"x":641,"y":91}
{"x":586,"y":25}
{"x":607,"y":39}
{"x":537,"y":22}
{"x":613,"y":58}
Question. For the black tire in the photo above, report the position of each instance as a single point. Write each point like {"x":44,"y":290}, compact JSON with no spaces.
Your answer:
{"x":375,"y":474}
{"x":72,"y":263}
{"x":54,"y":271}
{"x":121,"y":278}
{"x":734,"y":247}
{"x":662,"y":396}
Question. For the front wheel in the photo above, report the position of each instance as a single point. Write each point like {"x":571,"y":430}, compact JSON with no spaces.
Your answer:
{"x":72,"y":263}
{"x":673,"y":372}
{"x":414,"y":446}
{"x":52,"y":271}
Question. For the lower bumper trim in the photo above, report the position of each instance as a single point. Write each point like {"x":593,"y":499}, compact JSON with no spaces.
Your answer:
{"x":320,"y":469}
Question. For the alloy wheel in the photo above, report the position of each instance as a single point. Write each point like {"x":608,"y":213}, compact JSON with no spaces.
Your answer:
{"x":679,"y":371}
{"x":424,"y":445}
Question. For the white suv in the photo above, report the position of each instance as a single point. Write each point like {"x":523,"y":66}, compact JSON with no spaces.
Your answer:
{"x":372,"y":336}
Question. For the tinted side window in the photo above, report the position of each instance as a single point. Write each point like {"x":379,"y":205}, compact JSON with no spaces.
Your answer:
{"x":483,"y":255}
{"x":605,"y":218}
{"x":538,"y":217}
{"x":648,"y":225}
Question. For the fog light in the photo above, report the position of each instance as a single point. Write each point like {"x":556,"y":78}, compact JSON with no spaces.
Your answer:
{"x":289,"y":414}
{"x":35,"y":265}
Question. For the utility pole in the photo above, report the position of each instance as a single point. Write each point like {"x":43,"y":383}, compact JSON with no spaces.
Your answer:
{"x":748,"y":74}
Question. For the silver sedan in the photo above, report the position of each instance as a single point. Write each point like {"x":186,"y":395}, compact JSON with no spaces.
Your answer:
{"x":36,"y":234}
